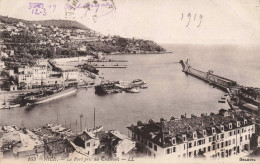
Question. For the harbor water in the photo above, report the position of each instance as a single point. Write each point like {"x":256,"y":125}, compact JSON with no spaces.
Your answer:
{"x":170,"y":92}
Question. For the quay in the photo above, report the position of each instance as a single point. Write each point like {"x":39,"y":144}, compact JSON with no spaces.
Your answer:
{"x":103,"y":60}
{"x":209,"y":77}
{"x":110,"y":67}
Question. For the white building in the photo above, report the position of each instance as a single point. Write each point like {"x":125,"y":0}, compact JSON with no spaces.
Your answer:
{"x":209,"y":136}
{"x":121,"y":144}
{"x":2,"y":64}
{"x":88,"y":141}
{"x":37,"y":75}
{"x":69,"y":75}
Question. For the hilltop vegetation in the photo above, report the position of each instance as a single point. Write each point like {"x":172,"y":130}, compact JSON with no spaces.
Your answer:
{"x":56,"y":23}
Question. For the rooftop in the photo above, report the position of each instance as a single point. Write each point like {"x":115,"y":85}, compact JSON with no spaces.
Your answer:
{"x":162,"y":132}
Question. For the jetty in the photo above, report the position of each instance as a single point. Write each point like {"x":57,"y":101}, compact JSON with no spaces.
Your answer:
{"x":237,"y":96}
{"x":209,"y":77}
{"x":110,"y":67}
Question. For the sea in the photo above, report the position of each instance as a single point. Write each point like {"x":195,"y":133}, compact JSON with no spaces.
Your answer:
{"x":170,"y":92}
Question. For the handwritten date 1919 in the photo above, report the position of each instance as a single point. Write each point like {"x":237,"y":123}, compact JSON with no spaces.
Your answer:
{"x":189,"y":17}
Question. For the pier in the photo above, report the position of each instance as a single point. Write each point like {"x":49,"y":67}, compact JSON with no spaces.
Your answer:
{"x":209,"y":77}
{"x":110,"y":67}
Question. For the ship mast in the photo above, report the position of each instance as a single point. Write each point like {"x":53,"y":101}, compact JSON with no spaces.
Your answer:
{"x":94,"y":118}
{"x":81,"y":115}
{"x":4,"y":100}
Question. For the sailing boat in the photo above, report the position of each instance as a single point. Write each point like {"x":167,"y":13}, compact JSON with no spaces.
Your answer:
{"x":95,"y":129}
{"x":5,"y":106}
{"x":4,"y":101}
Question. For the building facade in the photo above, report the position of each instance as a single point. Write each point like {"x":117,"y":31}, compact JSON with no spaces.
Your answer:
{"x":209,"y":136}
{"x":42,"y":75}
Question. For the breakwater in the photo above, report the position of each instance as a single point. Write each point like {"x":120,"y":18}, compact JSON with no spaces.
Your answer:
{"x":222,"y":82}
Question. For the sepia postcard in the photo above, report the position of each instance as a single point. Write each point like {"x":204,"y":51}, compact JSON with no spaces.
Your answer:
{"x":129,"y":81}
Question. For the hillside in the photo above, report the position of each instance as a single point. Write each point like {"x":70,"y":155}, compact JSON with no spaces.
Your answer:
{"x":57,"y":23}
{"x":25,"y":41}
{"x":61,"y":24}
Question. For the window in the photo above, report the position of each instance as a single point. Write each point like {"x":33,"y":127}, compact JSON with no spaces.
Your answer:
{"x":190,"y":145}
{"x":168,"y":151}
{"x":229,"y":142}
{"x":241,"y":139}
{"x":88,"y":144}
{"x":150,"y":145}
{"x":222,"y":144}
{"x":217,"y":137}
{"x":222,"y":136}
{"x":189,"y":154}
{"x":184,"y":138}
{"x":234,"y":141}
{"x":218,"y":145}
{"x":173,"y":141}
{"x":214,"y":138}
{"x":208,"y":148}
{"x":245,"y":137}
{"x":195,"y":153}
{"x":194,"y":143}
{"x":238,"y":131}
{"x":174,"y":149}
{"x":234,"y":132}
{"x":226,"y":143}
{"x":209,"y":139}
{"x":204,"y":149}
{"x":155,"y":147}
{"x":184,"y":146}
{"x":213,"y":147}
{"x":230,"y":133}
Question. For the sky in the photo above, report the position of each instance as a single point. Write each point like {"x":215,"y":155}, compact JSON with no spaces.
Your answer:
{"x":164,"y":21}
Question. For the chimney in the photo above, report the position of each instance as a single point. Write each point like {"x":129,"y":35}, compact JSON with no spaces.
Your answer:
{"x":172,"y":118}
{"x":162,"y":120}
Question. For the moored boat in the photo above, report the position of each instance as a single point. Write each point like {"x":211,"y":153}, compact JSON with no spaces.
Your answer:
{"x":132,"y":90}
{"x":46,"y":96}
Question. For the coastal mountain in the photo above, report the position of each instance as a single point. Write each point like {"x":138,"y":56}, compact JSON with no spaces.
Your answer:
{"x":25,"y":41}
{"x":57,"y":23}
